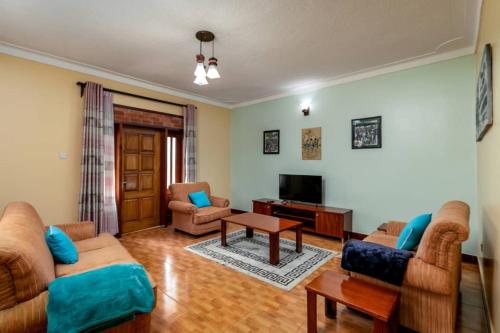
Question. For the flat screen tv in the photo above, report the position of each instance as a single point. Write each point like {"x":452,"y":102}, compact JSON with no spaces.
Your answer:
{"x":301,"y":188}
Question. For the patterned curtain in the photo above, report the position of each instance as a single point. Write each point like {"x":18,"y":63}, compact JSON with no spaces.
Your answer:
{"x":97,"y":182}
{"x":190,"y":144}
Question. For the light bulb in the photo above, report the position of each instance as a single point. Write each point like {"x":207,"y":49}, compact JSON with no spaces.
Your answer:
{"x":200,"y":70}
{"x":200,"y":80}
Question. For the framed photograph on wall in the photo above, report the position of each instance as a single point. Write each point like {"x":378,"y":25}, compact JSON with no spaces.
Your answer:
{"x":484,"y":95}
{"x":271,"y":142}
{"x":366,"y":133}
{"x":311,"y":143}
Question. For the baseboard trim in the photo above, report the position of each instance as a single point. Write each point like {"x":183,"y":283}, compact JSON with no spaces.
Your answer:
{"x":237,"y":211}
{"x":486,"y":308}
{"x":357,"y":235}
{"x":468,"y":258}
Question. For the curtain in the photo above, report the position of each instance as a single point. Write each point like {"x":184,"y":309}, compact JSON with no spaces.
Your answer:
{"x":110,"y":218}
{"x":190,"y":144}
{"x":97,"y":191}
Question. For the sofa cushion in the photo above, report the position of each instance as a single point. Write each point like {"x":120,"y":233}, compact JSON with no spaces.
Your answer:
{"x":209,"y":214}
{"x":114,"y":253}
{"x":61,"y":246}
{"x":199,"y":199}
{"x":24,"y":252}
{"x":96,"y":258}
{"x":381,"y":237}
{"x":95,"y":243}
{"x":412,"y":233}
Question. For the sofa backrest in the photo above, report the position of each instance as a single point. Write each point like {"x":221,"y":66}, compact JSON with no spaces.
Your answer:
{"x":26,"y":264}
{"x":442,"y":239}
{"x":180,"y":191}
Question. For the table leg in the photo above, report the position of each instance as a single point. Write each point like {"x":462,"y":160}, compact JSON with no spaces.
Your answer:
{"x":394,"y":321}
{"x":380,"y":326}
{"x":298,"y":239}
{"x":223,"y":231}
{"x":274,"y":248}
{"x":249,"y":232}
{"x":330,"y":309}
{"x":312,"y":313}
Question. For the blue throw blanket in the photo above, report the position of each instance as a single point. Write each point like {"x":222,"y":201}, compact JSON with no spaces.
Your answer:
{"x":375,"y":260}
{"x":98,"y":299}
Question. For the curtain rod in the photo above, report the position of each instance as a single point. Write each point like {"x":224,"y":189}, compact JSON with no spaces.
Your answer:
{"x":82,"y":87}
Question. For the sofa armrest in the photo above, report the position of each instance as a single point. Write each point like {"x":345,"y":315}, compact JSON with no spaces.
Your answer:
{"x":394,"y":228}
{"x":78,"y":231}
{"x":422,"y":275}
{"x":182,"y":207}
{"x":219,"y":202}
{"x":27,"y":316}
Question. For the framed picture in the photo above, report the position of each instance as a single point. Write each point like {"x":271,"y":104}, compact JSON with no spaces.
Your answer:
{"x":484,"y":95}
{"x":366,"y":133}
{"x":311,"y":143}
{"x":271,"y":142}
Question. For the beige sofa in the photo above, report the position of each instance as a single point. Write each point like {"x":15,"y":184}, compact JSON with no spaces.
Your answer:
{"x":187,"y":217}
{"x":429,"y":293}
{"x":27,"y":267}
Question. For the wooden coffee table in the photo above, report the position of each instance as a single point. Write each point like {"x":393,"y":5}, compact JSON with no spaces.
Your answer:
{"x":271,"y":225}
{"x":379,"y":302}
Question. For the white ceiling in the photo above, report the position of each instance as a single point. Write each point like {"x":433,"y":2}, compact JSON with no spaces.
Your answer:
{"x":265,"y":47}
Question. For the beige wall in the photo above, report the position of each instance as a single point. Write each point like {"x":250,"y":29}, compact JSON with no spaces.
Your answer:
{"x":41,"y":115}
{"x":488,"y":166}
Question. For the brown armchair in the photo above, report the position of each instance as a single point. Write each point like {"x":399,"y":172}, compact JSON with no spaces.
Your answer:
{"x":429,"y":293}
{"x":187,"y":217}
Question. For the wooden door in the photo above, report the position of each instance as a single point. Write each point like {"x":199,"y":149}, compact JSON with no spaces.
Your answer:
{"x":141,"y":165}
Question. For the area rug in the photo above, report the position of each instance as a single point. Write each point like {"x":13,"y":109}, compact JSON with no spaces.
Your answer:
{"x":251,"y":256}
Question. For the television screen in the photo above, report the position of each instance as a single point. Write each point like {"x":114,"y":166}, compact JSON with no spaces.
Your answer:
{"x":301,"y":188}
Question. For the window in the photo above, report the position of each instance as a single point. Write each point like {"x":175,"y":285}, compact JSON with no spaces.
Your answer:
{"x":174,"y":158}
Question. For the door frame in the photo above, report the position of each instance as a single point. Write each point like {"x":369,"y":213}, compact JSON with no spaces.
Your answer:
{"x":164,"y":130}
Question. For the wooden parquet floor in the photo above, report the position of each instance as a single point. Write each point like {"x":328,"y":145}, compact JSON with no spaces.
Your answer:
{"x":199,"y":295}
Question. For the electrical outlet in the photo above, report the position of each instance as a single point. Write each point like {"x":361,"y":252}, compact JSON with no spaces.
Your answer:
{"x":63,"y":155}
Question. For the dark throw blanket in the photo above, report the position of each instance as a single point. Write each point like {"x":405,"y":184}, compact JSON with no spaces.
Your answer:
{"x":98,"y":299}
{"x":375,"y":260}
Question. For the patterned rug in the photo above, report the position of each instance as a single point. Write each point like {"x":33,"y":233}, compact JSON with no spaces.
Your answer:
{"x":251,"y":256}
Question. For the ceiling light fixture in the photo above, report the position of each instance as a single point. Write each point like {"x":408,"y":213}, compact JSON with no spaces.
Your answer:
{"x":200,"y":74}
{"x":201,"y":80}
{"x":200,"y":65}
{"x":212,"y":72}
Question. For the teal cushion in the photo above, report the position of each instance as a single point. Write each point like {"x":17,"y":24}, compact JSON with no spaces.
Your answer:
{"x":61,"y":246}
{"x":199,"y":199}
{"x":413,"y":232}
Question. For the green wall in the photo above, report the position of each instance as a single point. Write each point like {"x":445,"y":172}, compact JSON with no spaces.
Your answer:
{"x":428,"y":154}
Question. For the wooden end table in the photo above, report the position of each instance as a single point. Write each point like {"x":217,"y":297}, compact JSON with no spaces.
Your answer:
{"x":376,"y":301}
{"x":272,"y":225}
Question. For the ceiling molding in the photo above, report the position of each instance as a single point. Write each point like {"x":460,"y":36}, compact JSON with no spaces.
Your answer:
{"x":479,"y":9}
{"x":56,"y":61}
{"x":422,"y":60}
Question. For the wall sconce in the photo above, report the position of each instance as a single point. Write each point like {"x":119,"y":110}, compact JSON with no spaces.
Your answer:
{"x":305,"y":107}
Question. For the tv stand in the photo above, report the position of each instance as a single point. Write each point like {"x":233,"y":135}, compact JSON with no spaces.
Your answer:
{"x":318,"y":219}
